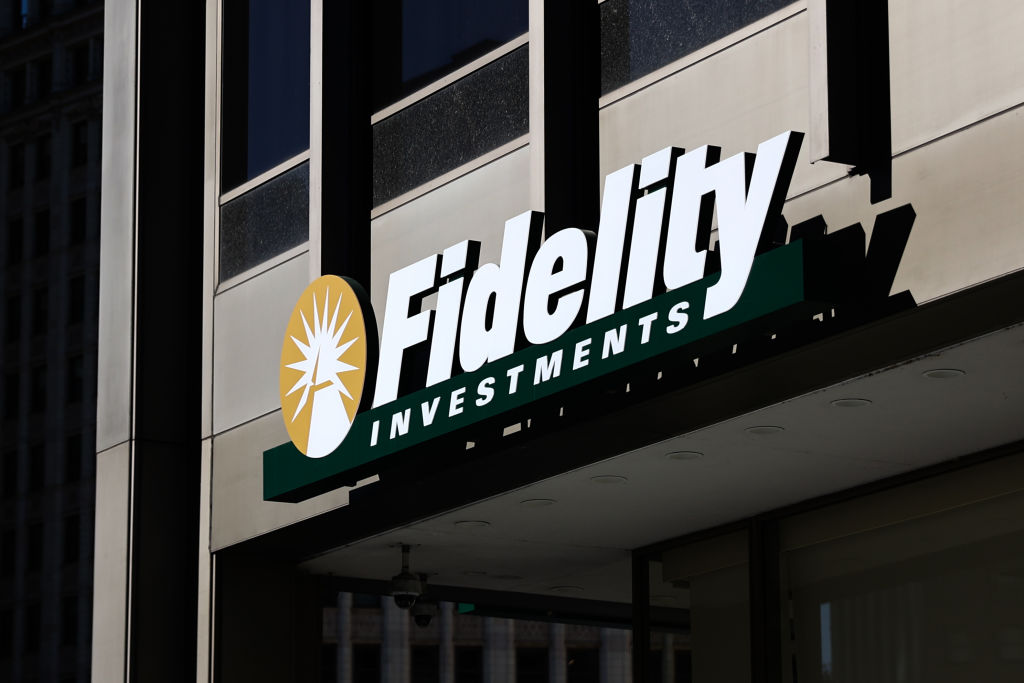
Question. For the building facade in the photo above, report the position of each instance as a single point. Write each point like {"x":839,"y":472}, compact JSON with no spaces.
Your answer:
{"x":680,"y":336}
{"x":51,"y":56}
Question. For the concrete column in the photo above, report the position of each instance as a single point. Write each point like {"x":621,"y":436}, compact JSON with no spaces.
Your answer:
{"x":499,"y":650}
{"x":394,"y":643}
{"x":344,"y":646}
{"x":446,"y":622}
{"x":615,"y":660}
{"x":668,"y":659}
{"x":556,"y":654}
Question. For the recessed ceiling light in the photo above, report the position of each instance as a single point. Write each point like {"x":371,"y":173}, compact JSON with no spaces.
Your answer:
{"x":472,"y":523}
{"x":943,"y":373}
{"x":608,"y":479}
{"x":851,"y":402}
{"x":763,"y":430}
{"x":566,"y":589}
{"x":537,"y":502}
{"x":684,"y":455}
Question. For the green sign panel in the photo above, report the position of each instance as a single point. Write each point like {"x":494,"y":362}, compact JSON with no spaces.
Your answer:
{"x":663,"y":325}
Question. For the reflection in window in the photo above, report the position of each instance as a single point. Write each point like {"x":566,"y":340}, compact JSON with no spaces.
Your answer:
{"x":15,"y":166}
{"x":418,"y":42}
{"x":42,"y":157}
{"x":15,"y":240}
{"x":80,"y":143}
{"x":266,"y":86}
{"x":936,"y":598}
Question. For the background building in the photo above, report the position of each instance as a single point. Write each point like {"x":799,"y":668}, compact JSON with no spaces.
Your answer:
{"x":50,"y":110}
{"x":831,"y":493}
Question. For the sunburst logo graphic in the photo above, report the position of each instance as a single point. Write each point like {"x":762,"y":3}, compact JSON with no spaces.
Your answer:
{"x":324,"y":363}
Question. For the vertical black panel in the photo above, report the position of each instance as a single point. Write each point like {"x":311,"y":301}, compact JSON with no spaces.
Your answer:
{"x":347,"y":143}
{"x":168,"y":342}
{"x":571,"y":82}
{"x":857,"y":72}
{"x":765,"y":589}
{"x":641,"y":617}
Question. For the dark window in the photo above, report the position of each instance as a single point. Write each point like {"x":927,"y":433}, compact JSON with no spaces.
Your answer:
{"x":16,"y":83}
{"x":73,"y":458}
{"x":6,"y":633}
{"x":415,"y":43}
{"x":43,"y":151}
{"x":16,"y":166}
{"x":69,"y":620}
{"x":425,"y":663}
{"x":37,"y":395}
{"x":79,"y":67}
{"x":365,"y":600}
{"x":78,"y":221}
{"x":366,"y":664}
{"x":80,"y":144}
{"x":10,"y":474}
{"x":40,"y":310}
{"x":76,"y":299}
{"x":582,"y":666}
{"x":264,"y":222}
{"x":36,"y":468}
{"x":12,"y":323}
{"x":11,"y":391}
{"x":453,"y":126}
{"x":31,"y":635}
{"x":9,"y":547}
{"x":531,"y":665}
{"x":266,"y":86}
{"x":469,"y":665}
{"x":42,"y":232}
{"x":34,"y":552}
{"x":76,"y":378}
{"x":44,"y":77}
{"x":640,"y":36}
{"x":15,"y":240}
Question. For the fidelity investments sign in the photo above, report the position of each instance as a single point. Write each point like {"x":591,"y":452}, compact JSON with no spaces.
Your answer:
{"x":552,"y":315}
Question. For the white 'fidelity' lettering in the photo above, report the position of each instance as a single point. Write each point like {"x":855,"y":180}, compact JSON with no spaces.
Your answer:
{"x":611,"y":236}
{"x":558,"y":273}
{"x":540,"y":290}
{"x":449,"y":304}
{"x":484,"y":341}
{"x":402,"y":330}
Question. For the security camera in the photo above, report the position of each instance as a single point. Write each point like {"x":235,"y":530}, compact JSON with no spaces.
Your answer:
{"x":405,"y":587}
{"x":423,"y":611}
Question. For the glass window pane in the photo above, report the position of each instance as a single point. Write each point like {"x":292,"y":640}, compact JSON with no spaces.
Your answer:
{"x":266,"y":86}
{"x":418,"y":42}
{"x":700,"y":612}
{"x":937,"y":599}
{"x":640,"y":36}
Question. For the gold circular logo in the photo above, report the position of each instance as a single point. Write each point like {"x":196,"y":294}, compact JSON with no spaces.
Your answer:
{"x":323,"y":366}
